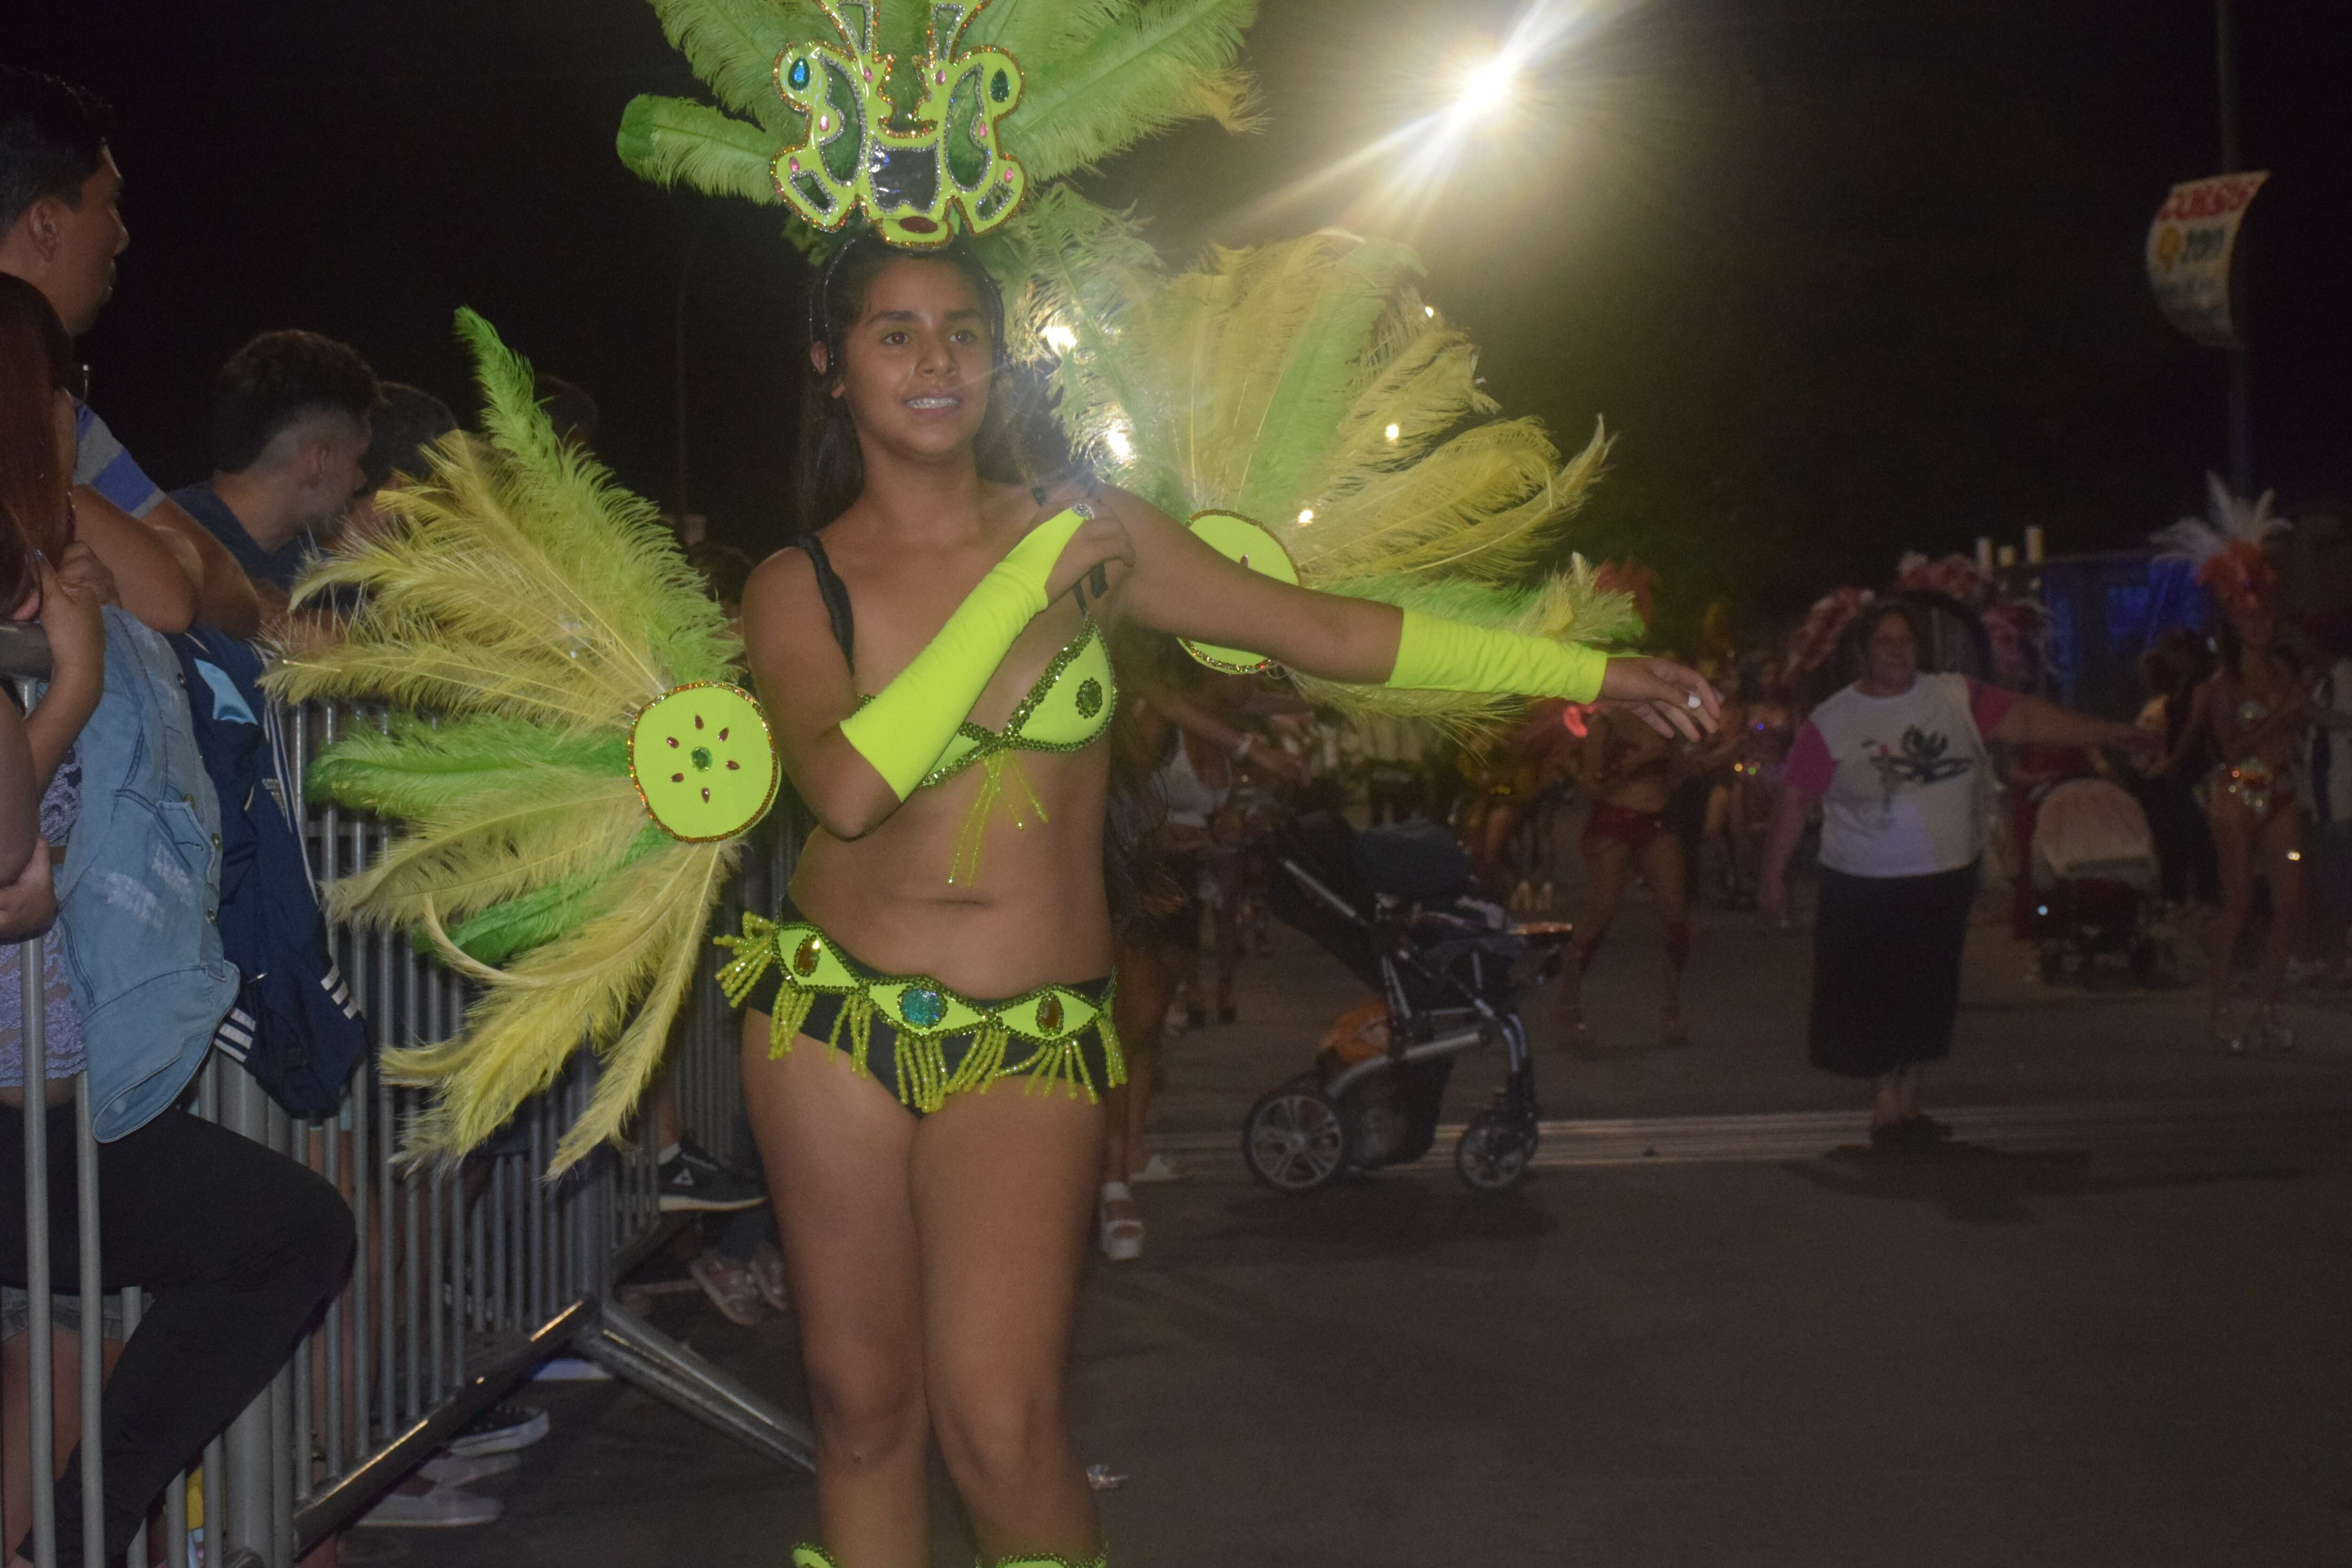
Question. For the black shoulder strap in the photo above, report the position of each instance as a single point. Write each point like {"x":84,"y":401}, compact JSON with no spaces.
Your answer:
{"x":836,"y":594}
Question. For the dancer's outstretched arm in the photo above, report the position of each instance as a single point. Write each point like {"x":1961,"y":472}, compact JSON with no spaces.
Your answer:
{"x":1182,"y":586}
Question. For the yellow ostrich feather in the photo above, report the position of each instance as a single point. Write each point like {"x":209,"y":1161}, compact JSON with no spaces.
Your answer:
{"x":520,"y":612}
{"x":1307,"y":386}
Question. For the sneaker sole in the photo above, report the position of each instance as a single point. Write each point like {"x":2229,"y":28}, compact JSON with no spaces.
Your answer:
{"x":501,"y":1442}
{"x":490,"y":1515}
{"x":682,"y":1204}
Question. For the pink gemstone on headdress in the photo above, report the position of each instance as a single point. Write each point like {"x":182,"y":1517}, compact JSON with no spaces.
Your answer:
{"x":1008,"y":176}
{"x":824,"y":123}
{"x":981,"y":130}
{"x":941,"y":79}
{"x":796,"y":165}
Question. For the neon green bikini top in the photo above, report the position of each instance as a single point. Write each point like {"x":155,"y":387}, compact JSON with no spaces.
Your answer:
{"x":1066,"y":709}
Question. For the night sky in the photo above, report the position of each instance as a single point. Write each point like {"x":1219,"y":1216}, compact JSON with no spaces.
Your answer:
{"x":1846,"y":277}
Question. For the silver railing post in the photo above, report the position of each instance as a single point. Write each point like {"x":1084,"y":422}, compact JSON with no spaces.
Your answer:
{"x":251,"y":1444}
{"x":93,"y":1320}
{"x":40,"y":1429}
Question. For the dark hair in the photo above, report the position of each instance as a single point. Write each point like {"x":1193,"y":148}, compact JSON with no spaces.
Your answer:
{"x":2232,"y":647}
{"x":725,"y":569}
{"x":1864,"y":625}
{"x":277,"y":379}
{"x":36,"y":362}
{"x":573,"y":414}
{"x":832,"y":467}
{"x":52,"y":135}
{"x":407,"y":420}
{"x":2175,"y":663}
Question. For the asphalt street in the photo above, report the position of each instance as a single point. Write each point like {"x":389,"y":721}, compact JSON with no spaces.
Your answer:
{"x":1971,"y":1358}
{"x":2109,"y":1326}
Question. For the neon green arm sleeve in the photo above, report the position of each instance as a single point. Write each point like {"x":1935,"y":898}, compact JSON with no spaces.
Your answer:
{"x":1433,"y":655}
{"x":910,"y":722}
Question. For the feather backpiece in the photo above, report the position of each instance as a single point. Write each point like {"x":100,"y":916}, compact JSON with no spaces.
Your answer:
{"x":1307,"y":386}
{"x":513,"y":622}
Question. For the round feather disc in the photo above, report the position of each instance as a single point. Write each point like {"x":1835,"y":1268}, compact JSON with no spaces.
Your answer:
{"x":703,"y":762}
{"x":1236,"y":538}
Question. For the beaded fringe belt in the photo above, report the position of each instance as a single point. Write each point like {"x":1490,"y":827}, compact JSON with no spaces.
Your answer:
{"x":1051,"y":1019}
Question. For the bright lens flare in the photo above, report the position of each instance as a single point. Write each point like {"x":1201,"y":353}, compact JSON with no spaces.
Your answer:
{"x":1060,"y":339}
{"x":1121,"y":445}
{"x":1488,"y":87}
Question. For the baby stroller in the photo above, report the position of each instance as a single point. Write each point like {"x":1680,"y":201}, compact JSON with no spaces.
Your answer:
{"x":1398,"y":906}
{"x":2096,"y":875}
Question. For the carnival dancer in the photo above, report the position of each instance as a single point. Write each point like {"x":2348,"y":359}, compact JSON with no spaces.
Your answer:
{"x":1631,"y":774}
{"x":2252,"y":712}
{"x":934,"y":674}
{"x":934,"y":627}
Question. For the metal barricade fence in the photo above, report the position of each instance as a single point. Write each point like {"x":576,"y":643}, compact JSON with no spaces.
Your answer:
{"x":463,"y":1282}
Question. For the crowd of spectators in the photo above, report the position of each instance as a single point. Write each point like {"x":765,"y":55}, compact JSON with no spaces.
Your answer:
{"x":104,"y":789}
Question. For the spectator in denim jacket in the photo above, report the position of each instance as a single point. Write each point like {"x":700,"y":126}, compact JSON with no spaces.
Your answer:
{"x":237,"y":1243}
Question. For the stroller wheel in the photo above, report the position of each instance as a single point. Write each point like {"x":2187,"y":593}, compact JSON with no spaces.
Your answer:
{"x":1495,"y":1151}
{"x":1295,"y":1139}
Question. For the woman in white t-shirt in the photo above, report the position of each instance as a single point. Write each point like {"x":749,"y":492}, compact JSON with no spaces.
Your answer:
{"x":1898,"y":764}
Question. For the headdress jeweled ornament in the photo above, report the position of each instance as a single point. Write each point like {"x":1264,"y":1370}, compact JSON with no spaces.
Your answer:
{"x":906,"y":178}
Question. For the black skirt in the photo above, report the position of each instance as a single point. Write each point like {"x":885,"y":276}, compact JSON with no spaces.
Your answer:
{"x":1886,"y":969}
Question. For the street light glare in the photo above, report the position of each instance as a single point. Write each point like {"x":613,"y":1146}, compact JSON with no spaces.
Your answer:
{"x":1488,"y":87}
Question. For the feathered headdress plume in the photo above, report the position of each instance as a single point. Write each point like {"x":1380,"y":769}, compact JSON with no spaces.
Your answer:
{"x":533,"y":609}
{"x":1815,"y":640}
{"x":2226,"y":544}
{"x":1308,"y":387}
{"x":1097,"y":76}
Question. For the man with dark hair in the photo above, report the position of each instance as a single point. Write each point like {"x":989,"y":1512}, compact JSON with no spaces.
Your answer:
{"x":408,"y":421}
{"x":291,"y":422}
{"x":60,"y":229}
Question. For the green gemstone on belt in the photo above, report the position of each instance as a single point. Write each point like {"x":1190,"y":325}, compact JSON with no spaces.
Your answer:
{"x":922,"y":1006}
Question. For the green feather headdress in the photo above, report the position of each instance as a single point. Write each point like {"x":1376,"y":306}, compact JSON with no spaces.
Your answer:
{"x":1094,"y":77}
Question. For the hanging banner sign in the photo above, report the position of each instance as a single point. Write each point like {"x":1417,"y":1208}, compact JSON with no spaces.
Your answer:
{"x":2188,"y":248}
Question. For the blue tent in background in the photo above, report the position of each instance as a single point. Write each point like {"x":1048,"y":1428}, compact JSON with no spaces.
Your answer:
{"x":2106,"y":610}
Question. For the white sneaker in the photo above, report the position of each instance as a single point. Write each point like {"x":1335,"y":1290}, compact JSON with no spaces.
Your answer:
{"x":465,"y":1469}
{"x":436,"y":1507}
{"x":1121,"y":1239}
{"x":1159,"y":1168}
{"x":501,"y":1429}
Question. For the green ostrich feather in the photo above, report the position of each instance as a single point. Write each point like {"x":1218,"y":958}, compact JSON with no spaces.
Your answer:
{"x":518,"y":613}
